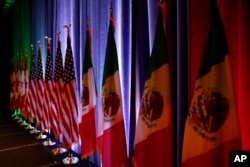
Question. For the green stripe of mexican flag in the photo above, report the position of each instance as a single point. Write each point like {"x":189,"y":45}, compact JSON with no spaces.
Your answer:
{"x":111,"y":59}
{"x":216,"y":47}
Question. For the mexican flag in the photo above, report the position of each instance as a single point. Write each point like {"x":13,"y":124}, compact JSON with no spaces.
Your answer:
{"x":111,"y":132}
{"x":153,"y":144}
{"x":24,"y":104}
{"x":87,"y":129}
{"x":12,"y":85}
{"x":39,"y":91}
{"x":212,"y":127}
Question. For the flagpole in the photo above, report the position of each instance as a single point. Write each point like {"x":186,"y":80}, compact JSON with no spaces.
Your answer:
{"x":48,"y":142}
{"x":34,"y":130}
{"x":87,"y":27}
{"x":30,"y":126}
{"x":110,"y":18}
{"x":70,"y":159}
{"x":19,"y":118}
{"x":41,"y":135}
{"x":23,"y":93}
{"x":14,"y":115}
{"x":22,"y":120}
{"x":59,"y":149}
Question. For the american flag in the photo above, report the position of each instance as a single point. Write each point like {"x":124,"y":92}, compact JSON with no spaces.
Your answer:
{"x":32,"y":87}
{"x":59,"y":87}
{"x":69,"y":100}
{"x":49,"y":105}
{"x":40,"y":90}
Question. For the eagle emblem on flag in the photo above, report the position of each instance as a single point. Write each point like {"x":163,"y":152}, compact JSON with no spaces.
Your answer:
{"x":85,"y":96}
{"x":208,"y":111}
{"x":110,"y":103}
{"x":151,"y":105}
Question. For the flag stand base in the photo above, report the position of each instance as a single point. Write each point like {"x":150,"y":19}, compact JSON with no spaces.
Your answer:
{"x":19,"y":121}
{"x":59,"y":150}
{"x":70,"y":160}
{"x":41,"y":136}
{"x":16,"y":118}
{"x":34,"y":131}
{"x":24,"y":123}
{"x":29,"y":127}
{"x":48,"y":142}
{"x":13,"y":115}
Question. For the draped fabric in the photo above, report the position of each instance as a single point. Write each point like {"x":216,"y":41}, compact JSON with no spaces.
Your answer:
{"x":86,"y":117}
{"x":212,"y":125}
{"x":187,"y":24}
{"x":21,"y":28}
{"x":12,"y":85}
{"x":69,"y":99}
{"x":32,"y":87}
{"x":154,"y":126}
{"x":24,"y":104}
{"x":41,"y":117}
{"x":236,"y":26}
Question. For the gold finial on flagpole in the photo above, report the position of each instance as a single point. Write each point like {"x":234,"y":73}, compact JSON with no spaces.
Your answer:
{"x":111,"y":9}
{"x":68,"y":27}
{"x":39,"y":43}
{"x":48,"y":39}
{"x":87,"y":22}
{"x":58,"y":34}
{"x":87,"y":18}
{"x":111,"y":15}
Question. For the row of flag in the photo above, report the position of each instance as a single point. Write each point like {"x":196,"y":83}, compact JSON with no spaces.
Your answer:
{"x":211,"y":129}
